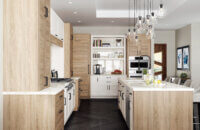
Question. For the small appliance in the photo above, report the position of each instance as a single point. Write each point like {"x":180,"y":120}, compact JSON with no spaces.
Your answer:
{"x":54,"y":74}
{"x":97,"y":69}
{"x":137,"y":64}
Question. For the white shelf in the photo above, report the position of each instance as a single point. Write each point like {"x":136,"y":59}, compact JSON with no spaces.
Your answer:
{"x":112,"y":50}
{"x":108,"y":58}
{"x":98,"y":48}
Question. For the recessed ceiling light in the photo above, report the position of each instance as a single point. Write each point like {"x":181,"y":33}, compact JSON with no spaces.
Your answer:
{"x":70,"y":2}
{"x":79,"y":21}
{"x":112,"y":21}
{"x":75,"y":12}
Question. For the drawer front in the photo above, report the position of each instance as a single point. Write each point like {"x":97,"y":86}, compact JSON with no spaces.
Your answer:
{"x":59,"y":110}
{"x":59,"y":115}
{"x":60,"y":125}
{"x":60,"y":98}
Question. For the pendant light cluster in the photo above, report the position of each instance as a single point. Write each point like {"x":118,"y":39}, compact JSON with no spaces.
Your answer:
{"x":145,"y":17}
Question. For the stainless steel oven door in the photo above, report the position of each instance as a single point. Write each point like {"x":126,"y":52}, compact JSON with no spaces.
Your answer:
{"x":133,"y":64}
{"x":144,"y":64}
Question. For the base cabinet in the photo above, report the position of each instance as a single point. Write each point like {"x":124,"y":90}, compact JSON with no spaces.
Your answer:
{"x":69,"y":103}
{"x":33,"y":112}
{"x":156,"y":110}
{"x":104,"y":86}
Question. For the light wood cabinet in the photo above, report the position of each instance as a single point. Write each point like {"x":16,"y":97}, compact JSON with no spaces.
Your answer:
{"x":77,"y":95}
{"x":26,"y":45}
{"x":81,"y":62}
{"x":140,"y":48}
{"x":33,"y":112}
{"x":68,"y":48}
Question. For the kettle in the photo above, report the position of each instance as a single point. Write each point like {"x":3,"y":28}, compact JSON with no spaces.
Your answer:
{"x":54,"y":74}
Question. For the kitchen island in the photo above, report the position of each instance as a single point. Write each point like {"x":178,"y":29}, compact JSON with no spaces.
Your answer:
{"x":149,"y":107}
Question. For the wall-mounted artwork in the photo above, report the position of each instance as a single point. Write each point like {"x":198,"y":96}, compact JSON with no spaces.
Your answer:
{"x":186,"y":58}
{"x":179,"y":58}
{"x":183,"y":58}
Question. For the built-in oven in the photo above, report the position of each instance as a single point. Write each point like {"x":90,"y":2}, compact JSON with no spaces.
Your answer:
{"x":137,"y":64}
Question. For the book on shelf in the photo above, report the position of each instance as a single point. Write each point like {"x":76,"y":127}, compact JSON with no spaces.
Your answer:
{"x":97,"y":43}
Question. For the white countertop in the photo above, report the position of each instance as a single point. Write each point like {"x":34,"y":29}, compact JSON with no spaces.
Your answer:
{"x":76,"y":78}
{"x":54,"y":89}
{"x":140,"y":85}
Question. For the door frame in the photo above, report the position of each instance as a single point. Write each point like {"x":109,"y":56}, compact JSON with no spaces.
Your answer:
{"x":165,"y":45}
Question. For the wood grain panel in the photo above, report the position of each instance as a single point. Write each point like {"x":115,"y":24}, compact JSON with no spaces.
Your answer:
{"x":26,"y":45}
{"x":81,"y":62}
{"x":77,"y":96}
{"x":44,"y":45}
{"x":68,"y":48}
{"x":162,"y":110}
{"x":32,"y":112}
{"x":56,"y":41}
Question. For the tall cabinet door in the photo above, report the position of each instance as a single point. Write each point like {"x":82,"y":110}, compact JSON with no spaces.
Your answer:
{"x":44,"y":44}
{"x":81,"y":62}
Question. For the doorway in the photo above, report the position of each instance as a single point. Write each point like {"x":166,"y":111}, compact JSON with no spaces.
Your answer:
{"x":160,"y":61}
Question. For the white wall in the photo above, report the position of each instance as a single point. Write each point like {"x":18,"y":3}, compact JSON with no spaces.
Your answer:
{"x":195,"y":52}
{"x":57,"y":60}
{"x":167,"y":37}
{"x":1,"y":64}
{"x":183,"y":38}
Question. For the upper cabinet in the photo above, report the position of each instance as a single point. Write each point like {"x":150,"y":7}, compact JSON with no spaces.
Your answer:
{"x":57,"y":26}
{"x":68,"y":48}
{"x":26,"y":61}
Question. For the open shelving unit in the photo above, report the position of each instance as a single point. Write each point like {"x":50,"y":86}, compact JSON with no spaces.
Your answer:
{"x":110,"y":52}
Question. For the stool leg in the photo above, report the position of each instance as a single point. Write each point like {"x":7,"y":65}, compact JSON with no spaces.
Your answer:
{"x":196,"y":122}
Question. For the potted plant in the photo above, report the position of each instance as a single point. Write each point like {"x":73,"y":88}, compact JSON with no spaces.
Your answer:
{"x":145,"y":76}
{"x":183,"y":75}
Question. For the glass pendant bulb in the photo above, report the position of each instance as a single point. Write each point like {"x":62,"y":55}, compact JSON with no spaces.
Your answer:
{"x":129,"y":32}
{"x":136,"y":38}
{"x":134,"y":31}
{"x":148,"y":19}
{"x":140,"y":20}
{"x":153,"y":18}
{"x":161,"y":11}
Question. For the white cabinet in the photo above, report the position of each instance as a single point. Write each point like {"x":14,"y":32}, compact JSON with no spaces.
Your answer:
{"x":57,"y":25}
{"x":98,"y":87}
{"x":53,"y":22}
{"x":69,"y":103}
{"x":104,"y":86}
{"x":122,"y":98}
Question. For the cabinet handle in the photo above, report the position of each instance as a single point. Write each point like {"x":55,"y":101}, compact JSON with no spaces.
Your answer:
{"x":46,"y":81}
{"x":61,"y":96}
{"x":60,"y":111}
{"x":88,"y":69}
{"x":70,"y":96}
{"x":122,"y":96}
{"x":97,"y":79}
{"x":64,"y":101}
{"x":46,"y":12}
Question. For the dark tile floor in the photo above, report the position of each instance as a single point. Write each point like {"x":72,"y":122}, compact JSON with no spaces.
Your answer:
{"x":97,"y":115}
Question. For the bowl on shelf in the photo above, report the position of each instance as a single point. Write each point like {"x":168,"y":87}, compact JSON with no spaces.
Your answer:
{"x":117,"y":72}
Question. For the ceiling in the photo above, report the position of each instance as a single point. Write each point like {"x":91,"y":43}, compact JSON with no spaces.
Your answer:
{"x":115,"y":12}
